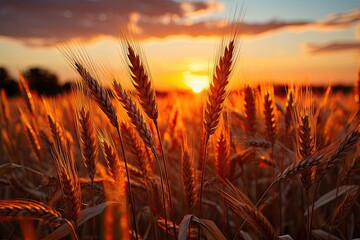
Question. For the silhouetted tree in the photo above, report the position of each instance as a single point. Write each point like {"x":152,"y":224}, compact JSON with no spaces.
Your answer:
{"x":6,"y":82}
{"x":42,"y":81}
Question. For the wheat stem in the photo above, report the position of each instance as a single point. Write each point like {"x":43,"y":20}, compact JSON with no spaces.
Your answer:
{"x":129,"y":184}
{"x":166,"y":177}
{"x":202,"y":178}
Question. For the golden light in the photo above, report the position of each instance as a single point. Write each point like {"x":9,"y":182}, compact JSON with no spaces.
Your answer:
{"x":197,"y":87}
{"x":197,"y":83}
{"x":196,"y":77}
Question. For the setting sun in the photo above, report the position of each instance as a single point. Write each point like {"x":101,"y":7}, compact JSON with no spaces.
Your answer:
{"x":198,"y":87}
{"x":197,"y":83}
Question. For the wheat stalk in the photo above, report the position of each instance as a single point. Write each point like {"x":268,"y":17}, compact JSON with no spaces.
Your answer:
{"x":89,"y":152}
{"x":269,"y":118}
{"x":136,"y":148}
{"x":103,"y":100}
{"x":69,"y":181}
{"x":250,"y":111}
{"x":329,"y":156}
{"x":306,"y":148}
{"x":134,"y":115}
{"x":351,"y":169}
{"x":143,"y":84}
{"x":223,"y":155}
{"x":26,"y":93}
{"x":188,"y":177}
{"x":140,"y":126}
{"x":88,"y":142}
{"x":347,"y":146}
{"x":112,"y":161}
{"x":147,"y":96}
{"x":214,"y":104}
{"x":99,"y":94}
{"x":30,"y":209}
{"x":56,"y":131}
{"x":33,"y":138}
{"x":257,"y":143}
{"x":342,"y":211}
{"x":71,"y":193}
{"x":289,"y":109}
{"x":217,"y":94}
{"x":18,"y":209}
{"x":246,"y":209}
{"x":5,"y":107}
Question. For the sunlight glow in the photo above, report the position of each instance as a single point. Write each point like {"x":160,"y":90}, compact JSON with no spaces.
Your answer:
{"x":196,"y":82}
{"x":197,"y":87}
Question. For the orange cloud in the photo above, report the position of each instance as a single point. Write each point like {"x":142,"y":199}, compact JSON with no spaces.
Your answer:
{"x":332,"y":47}
{"x":41,"y":22}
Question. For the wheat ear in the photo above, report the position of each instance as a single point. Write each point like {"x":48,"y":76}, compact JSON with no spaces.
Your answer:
{"x":289,"y":109}
{"x":329,"y":156}
{"x":217,"y":95}
{"x":112,"y":161}
{"x":347,"y":146}
{"x":223,"y":155}
{"x":26,"y":93}
{"x":30,"y":209}
{"x":134,"y":115}
{"x":17,"y":209}
{"x":188,"y":177}
{"x":269,"y":118}
{"x":88,"y":142}
{"x":342,"y":211}
{"x":250,"y":111}
{"x":69,"y":181}
{"x":136,"y":148}
{"x":33,"y":138}
{"x":358,"y":87}
{"x":257,"y":143}
{"x":5,"y":107}
{"x":143,"y":84}
{"x":306,"y":148}
{"x":100,"y":95}
{"x":56,"y":131}
{"x":246,"y":209}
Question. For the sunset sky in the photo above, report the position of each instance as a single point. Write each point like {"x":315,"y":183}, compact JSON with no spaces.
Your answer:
{"x":301,"y":41}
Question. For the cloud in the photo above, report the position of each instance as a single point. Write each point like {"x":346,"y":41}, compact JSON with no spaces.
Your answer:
{"x":332,"y":47}
{"x":42,"y":22}
{"x":215,"y":27}
{"x":67,"y":19}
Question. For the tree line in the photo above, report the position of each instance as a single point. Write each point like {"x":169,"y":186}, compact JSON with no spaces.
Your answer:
{"x":40,"y":80}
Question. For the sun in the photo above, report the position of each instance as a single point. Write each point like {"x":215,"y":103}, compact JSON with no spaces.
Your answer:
{"x":197,"y":83}
{"x":197,"y":87}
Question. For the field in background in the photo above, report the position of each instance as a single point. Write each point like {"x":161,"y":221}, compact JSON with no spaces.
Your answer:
{"x":241,"y":153}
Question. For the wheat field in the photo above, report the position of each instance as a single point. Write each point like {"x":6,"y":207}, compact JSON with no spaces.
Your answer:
{"x":109,"y":162}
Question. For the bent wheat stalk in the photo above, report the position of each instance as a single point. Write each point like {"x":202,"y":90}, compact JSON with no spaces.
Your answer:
{"x":30,"y":209}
